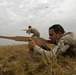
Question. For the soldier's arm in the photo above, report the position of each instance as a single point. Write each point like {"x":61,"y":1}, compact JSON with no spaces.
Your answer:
{"x":62,"y":47}
{"x":56,"y":51}
{"x":37,"y":49}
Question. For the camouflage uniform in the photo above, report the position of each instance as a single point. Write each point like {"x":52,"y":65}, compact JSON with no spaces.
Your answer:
{"x":34,"y":31}
{"x":66,"y":43}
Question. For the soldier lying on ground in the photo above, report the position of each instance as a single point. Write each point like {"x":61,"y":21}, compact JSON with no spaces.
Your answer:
{"x":65,"y":42}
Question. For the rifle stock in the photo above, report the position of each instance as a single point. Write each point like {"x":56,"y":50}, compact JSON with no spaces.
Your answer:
{"x":38,"y":41}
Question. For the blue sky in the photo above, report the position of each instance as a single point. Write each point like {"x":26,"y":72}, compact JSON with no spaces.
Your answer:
{"x":41,"y":14}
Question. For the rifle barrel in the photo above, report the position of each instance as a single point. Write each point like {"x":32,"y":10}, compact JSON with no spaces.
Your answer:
{"x":16,"y":38}
{"x":39,"y":41}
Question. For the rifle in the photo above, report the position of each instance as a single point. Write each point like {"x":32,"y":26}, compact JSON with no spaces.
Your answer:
{"x":27,"y":30}
{"x":38,"y":41}
{"x":24,"y":29}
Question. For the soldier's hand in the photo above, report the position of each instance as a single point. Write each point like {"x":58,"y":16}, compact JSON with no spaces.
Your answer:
{"x":31,"y":43}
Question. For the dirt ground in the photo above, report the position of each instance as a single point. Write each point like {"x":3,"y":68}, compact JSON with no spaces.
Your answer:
{"x":18,"y":60}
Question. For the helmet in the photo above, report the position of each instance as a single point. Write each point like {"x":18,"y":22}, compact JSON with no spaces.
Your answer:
{"x":29,"y":27}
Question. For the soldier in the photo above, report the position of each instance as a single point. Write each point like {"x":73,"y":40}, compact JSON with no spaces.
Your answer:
{"x":65,"y":42}
{"x":32,"y":30}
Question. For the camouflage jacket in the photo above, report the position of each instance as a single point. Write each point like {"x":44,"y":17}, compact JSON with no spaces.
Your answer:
{"x":67,"y":41}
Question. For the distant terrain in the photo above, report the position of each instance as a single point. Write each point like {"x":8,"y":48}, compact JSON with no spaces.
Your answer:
{"x":19,"y":60}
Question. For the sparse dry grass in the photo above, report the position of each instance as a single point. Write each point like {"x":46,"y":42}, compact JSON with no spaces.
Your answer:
{"x":17,"y":60}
